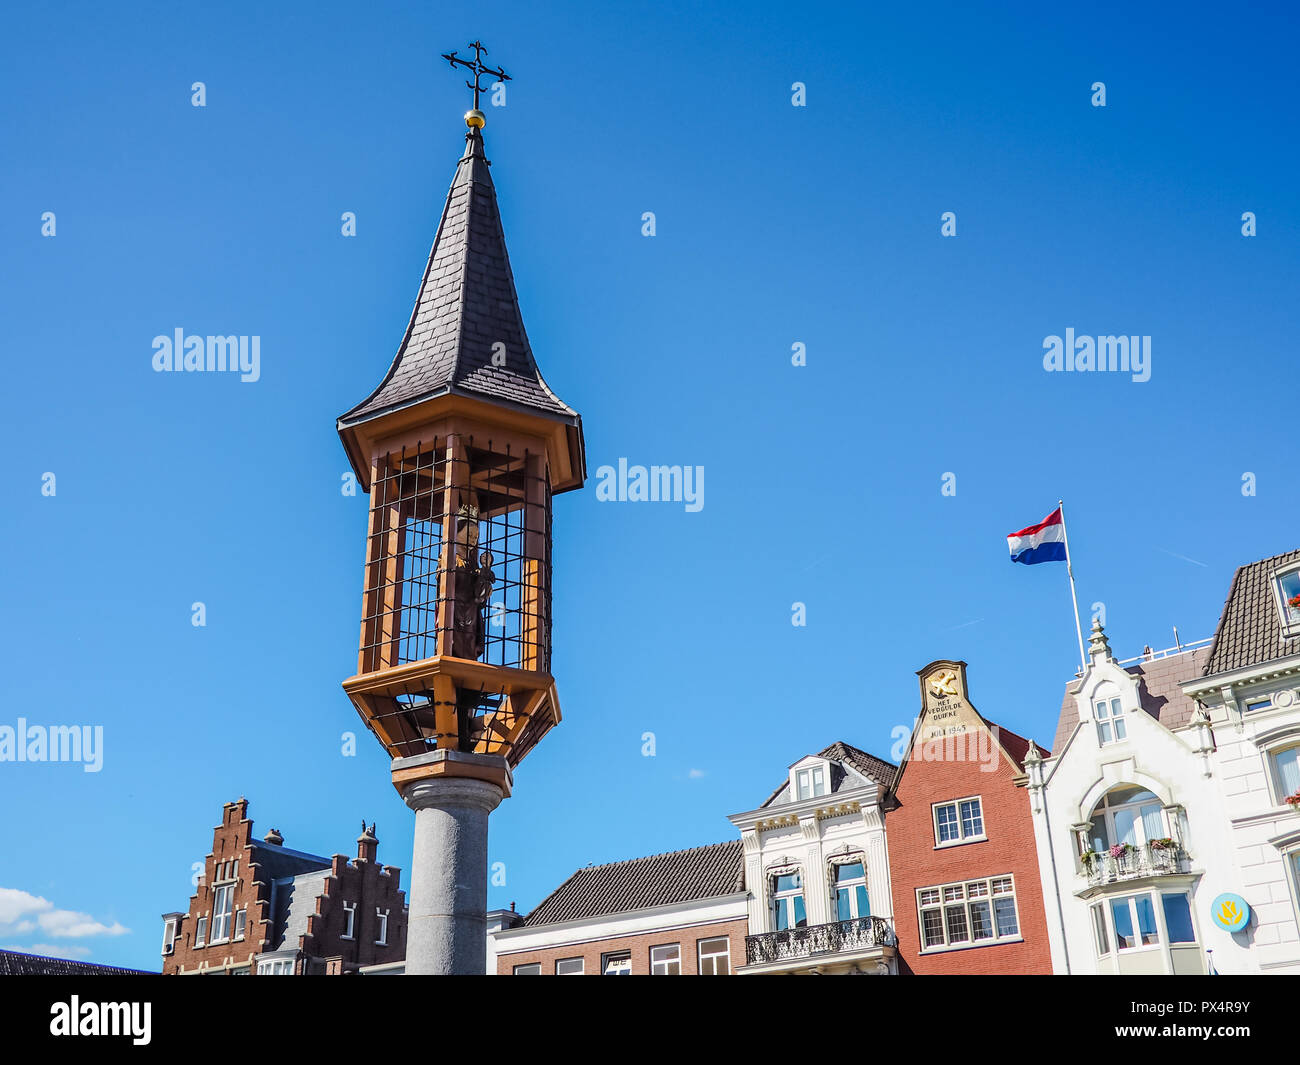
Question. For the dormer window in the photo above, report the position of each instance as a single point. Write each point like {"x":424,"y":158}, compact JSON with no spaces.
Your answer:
{"x":809,"y":781}
{"x":1286,"y":589}
{"x":1111,"y":727}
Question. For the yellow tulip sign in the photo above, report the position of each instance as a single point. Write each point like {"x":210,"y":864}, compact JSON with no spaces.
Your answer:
{"x":1230,"y":912}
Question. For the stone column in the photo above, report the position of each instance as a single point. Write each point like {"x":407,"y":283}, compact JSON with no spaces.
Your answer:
{"x":447,"y":927}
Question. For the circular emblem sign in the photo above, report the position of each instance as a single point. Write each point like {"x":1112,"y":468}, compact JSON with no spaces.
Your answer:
{"x":1230,"y":912}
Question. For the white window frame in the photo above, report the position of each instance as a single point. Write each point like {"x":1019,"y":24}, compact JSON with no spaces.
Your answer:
{"x":241,"y":922}
{"x":1289,"y":617}
{"x":350,"y":927}
{"x":1101,"y":938}
{"x":664,"y":957}
{"x":201,"y":932}
{"x":1107,"y":814}
{"x":275,"y":967}
{"x":1156,"y":913}
{"x":579,"y":971}
{"x":968,"y":895}
{"x":1109,"y":716}
{"x":810,"y":780}
{"x":712,"y":956}
{"x":1275,"y":771}
{"x":616,"y":958}
{"x":381,"y":937}
{"x":222,"y":917}
{"x":848,"y":885}
{"x":524,"y":969}
{"x":784,"y":899}
{"x":171,"y":927}
{"x":962,"y":836}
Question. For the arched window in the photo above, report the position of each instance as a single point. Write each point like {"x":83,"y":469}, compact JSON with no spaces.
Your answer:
{"x":788,"y":909}
{"x":1127,"y":815}
{"x":849,"y":887}
{"x":1286,"y":771}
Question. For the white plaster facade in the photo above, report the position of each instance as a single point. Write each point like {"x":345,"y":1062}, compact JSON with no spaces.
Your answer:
{"x":813,"y":835}
{"x":1213,"y":778}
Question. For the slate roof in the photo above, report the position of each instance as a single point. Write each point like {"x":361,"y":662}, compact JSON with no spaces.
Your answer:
{"x":14,"y":963}
{"x":1158,"y":690}
{"x":842,"y":754}
{"x":274,"y":862}
{"x":658,"y":880}
{"x":467,"y":304}
{"x":294,"y":900}
{"x":1249,"y":631}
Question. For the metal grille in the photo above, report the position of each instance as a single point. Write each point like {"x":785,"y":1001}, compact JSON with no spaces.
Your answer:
{"x":861,"y":933}
{"x":458,"y":561}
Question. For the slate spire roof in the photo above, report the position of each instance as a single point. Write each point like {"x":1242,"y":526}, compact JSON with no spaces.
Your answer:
{"x":467,"y":305}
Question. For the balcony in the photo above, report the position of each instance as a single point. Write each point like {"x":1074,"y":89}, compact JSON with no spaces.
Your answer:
{"x":814,"y":945}
{"x":1135,"y":864}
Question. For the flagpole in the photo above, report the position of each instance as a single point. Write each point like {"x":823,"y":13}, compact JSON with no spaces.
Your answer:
{"x":1069,"y":568}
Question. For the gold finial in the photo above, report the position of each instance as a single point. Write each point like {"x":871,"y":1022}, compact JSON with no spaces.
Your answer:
{"x":475,"y":118}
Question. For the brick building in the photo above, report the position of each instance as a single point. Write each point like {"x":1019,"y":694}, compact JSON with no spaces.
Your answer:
{"x":677,"y":914}
{"x":263,"y":909}
{"x":963,"y":871}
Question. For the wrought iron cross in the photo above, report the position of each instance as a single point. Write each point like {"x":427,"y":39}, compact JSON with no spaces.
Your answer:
{"x":477,"y":67}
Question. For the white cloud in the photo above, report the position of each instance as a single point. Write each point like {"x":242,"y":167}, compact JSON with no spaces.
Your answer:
{"x":695,"y":774}
{"x":22,"y":912}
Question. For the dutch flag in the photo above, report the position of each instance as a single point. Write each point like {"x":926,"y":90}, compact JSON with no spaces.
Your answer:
{"x":1044,"y":542}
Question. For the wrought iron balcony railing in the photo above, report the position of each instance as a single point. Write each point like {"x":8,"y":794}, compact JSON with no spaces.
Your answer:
{"x":861,"y":933}
{"x":1141,"y":861}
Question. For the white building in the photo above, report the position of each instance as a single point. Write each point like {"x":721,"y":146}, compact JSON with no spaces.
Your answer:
{"x":1251,"y":690}
{"x":1159,"y":817}
{"x":818,"y":869}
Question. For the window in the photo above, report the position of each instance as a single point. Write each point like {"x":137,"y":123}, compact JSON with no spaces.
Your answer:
{"x":1127,"y":815}
{"x":1286,"y":772}
{"x":1099,"y":930}
{"x":619,"y":964}
{"x":971,"y":914}
{"x":568,"y":967}
{"x":381,"y":937}
{"x":241,"y":919}
{"x":1110,"y":721}
{"x":223,"y":901}
{"x":1263,"y":703}
{"x":810,"y":782}
{"x":275,"y":967}
{"x":201,"y":932}
{"x":349,"y":920}
{"x":787,"y":902}
{"x":1178,"y":918}
{"x":958,"y":822}
{"x":1287,"y":589}
{"x":170,"y":928}
{"x":715,"y":957}
{"x":1135,"y":922}
{"x":666,"y":960}
{"x":532,"y":968}
{"x":851,"y":892}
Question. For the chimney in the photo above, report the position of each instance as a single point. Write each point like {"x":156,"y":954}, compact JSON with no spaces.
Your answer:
{"x":367,"y":843}
{"x":274,"y":838}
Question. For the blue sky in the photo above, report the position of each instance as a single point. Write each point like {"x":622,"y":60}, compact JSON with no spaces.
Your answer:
{"x":775,"y":224}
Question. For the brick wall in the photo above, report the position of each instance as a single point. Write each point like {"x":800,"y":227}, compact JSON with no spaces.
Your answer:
{"x":915,"y":862}
{"x":366,"y":882}
{"x":639,"y":945}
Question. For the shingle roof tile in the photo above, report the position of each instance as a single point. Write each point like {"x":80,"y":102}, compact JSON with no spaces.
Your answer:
{"x":1250,"y":631}
{"x":657,"y":880}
